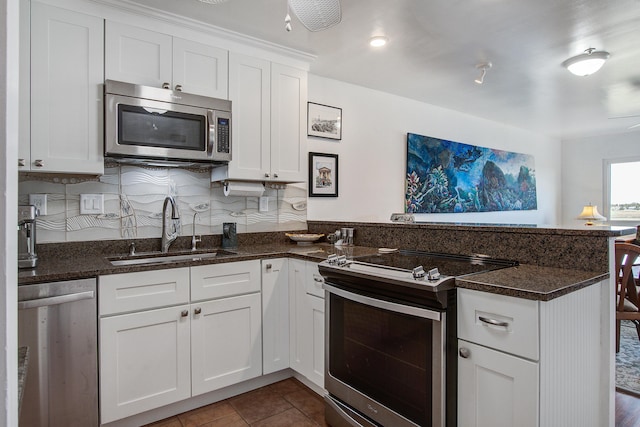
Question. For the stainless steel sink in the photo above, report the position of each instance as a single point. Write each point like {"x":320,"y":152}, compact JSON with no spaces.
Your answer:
{"x":167,"y":259}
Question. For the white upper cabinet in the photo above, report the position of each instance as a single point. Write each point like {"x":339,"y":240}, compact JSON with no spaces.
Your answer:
{"x":140,"y":56}
{"x":66,"y":105}
{"x":269,"y":114}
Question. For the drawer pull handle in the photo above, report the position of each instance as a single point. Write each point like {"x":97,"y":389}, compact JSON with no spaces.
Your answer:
{"x":493,"y":322}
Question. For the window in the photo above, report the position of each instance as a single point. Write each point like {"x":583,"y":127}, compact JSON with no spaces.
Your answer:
{"x":624,"y":189}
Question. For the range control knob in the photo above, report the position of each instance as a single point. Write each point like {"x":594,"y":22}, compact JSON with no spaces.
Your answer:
{"x":418,"y":272}
{"x":433,"y":274}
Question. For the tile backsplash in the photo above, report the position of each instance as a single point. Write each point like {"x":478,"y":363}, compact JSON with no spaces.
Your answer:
{"x":133,"y":198}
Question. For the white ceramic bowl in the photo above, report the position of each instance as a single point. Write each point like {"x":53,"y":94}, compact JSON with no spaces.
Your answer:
{"x":304,"y":238}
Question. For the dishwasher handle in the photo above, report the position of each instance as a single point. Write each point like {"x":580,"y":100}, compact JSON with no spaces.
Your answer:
{"x":60,"y":299}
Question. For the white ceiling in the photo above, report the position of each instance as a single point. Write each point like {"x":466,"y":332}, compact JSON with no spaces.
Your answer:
{"x":435,"y":45}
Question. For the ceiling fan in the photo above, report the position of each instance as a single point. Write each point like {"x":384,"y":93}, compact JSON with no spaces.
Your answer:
{"x":315,"y":15}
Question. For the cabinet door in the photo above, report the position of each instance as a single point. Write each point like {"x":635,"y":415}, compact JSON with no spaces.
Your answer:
{"x":299,"y":329}
{"x":144,"y":361}
{"x":66,"y":91}
{"x":316,"y":365}
{"x":496,"y":389}
{"x":135,"y":55}
{"x":249,"y":89}
{"x":288,"y":123}
{"x":226,"y":342}
{"x":275,"y":315}
{"x":200,"y":69}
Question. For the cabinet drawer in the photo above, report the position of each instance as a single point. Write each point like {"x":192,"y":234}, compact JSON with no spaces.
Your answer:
{"x":121,"y":293}
{"x":314,"y":280}
{"x":504,"y":323}
{"x":224,"y":280}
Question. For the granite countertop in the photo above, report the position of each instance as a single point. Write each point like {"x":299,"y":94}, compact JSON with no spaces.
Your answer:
{"x":523,"y":281}
{"x":531,"y":282}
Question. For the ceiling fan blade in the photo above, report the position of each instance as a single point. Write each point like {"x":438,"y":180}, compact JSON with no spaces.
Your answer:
{"x":317,"y":15}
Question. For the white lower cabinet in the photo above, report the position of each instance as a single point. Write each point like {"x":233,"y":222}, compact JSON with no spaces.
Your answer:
{"x":306,"y":299}
{"x":496,"y":389}
{"x":225,"y":342}
{"x":158,"y":347}
{"x":144,"y":361}
{"x":275,"y":315}
{"x":530,"y":363}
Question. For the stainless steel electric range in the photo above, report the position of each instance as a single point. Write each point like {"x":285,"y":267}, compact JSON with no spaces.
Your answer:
{"x":390,"y":337}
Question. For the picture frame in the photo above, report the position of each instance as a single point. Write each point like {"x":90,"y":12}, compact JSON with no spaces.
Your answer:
{"x":323,"y":175}
{"x":324,"y":121}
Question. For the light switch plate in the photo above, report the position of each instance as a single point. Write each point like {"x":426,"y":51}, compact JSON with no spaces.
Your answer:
{"x":264,"y":204}
{"x":91,"y":204}
{"x":40,"y":202}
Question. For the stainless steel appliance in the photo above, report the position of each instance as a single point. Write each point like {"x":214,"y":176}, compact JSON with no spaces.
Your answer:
{"x":146,"y":123}
{"x":58,"y":322}
{"x":390,"y":338}
{"x":27,"y":257}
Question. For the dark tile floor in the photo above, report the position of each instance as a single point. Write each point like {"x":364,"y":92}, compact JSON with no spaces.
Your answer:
{"x":286,"y":403}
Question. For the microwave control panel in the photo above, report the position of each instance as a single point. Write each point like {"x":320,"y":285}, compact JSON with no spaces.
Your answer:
{"x":223,"y":133}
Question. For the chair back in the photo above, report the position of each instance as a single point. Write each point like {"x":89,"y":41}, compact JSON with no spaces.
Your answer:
{"x":626,"y":255}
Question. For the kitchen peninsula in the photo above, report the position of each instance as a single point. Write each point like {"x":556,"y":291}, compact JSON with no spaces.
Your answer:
{"x":543,"y":276}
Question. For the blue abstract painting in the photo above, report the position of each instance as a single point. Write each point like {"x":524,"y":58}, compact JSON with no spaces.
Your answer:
{"x":450,"y":177}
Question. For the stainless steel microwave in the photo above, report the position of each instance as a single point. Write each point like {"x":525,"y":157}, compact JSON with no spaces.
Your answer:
{"x":145,"y":124}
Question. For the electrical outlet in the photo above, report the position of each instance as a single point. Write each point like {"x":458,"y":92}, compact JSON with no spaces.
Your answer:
{"x":40,"y":202}
{"x":264,"y":204}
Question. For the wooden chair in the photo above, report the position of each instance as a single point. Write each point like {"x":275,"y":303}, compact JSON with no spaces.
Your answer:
{"x":627,"y":304}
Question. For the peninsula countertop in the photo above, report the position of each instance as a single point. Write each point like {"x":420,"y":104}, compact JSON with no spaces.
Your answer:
{"x":523,"y":281}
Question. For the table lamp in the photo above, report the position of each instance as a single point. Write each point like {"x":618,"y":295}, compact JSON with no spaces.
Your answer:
{"x":590,"y":213}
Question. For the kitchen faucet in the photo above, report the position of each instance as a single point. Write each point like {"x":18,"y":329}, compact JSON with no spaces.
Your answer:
{"x":195,"y":239}
{"x":169,"y":236}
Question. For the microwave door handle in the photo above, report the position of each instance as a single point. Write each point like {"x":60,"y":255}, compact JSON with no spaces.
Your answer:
{"x":211,"y":139}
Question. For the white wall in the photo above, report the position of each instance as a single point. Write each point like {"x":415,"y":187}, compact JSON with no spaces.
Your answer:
{"x":9,"y":59}
{"x":372,"y":155}
{"x":583,"y":170}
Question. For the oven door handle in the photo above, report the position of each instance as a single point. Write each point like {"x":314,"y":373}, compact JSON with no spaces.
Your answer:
{"x":384,"y":305}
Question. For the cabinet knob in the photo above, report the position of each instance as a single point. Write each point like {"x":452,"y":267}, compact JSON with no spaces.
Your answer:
{"x":21,"y":162}
{"x":275,"y":175}
{"x":184,"y":313}
{"x":268,"y":266}
{"x":166,"y":85}
{"x":39,"y":163}
{"x":197,"y":310}
{"x":179,"y":88}
{"x":266,"y":175}
{"x":464,"y":352}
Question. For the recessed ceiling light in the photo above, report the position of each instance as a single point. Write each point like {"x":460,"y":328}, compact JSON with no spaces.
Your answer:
{"x":378,"y":41}
{"x":586,"y":63}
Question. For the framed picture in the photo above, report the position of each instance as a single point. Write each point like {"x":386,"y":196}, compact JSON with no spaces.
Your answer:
{"x":324,"y":121}
{"x":323,"y":175}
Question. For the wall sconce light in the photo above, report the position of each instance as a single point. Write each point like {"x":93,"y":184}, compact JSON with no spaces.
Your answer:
{"x":590,"y":213}
{"x":586,"y":63}
{"x":483,"y":67}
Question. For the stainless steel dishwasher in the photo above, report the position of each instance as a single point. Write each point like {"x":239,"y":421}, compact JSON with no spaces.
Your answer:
{"x":58,"y":321}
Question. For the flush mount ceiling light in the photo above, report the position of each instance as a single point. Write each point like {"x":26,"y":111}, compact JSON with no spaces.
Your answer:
{"x":483,"y":67}
{"x":586,"y":63}
{"x":378,"y":41}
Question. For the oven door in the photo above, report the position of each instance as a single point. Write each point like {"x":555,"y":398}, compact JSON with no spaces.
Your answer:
{"x":384,"y":361}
